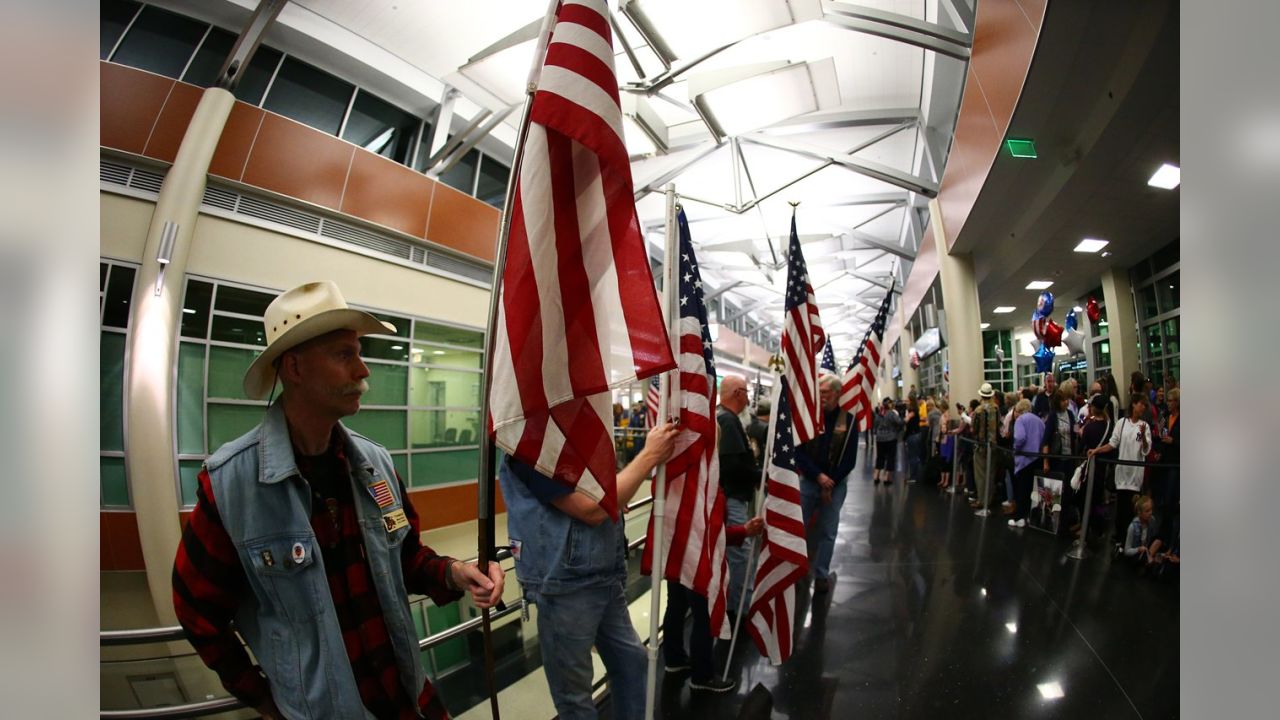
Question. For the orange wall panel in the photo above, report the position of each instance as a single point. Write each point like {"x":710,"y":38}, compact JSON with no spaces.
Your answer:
{"x":119,"y":546}
{"x":232,"y":152}
{"x":129,"y":104}
{"x":294,"y":160}
{"x":449,"y":505}
{"x":388,"y":193}
{"x":463,"y":223}
{"x":172,"y":124}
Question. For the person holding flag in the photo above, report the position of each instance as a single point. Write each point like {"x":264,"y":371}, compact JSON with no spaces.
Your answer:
{"x":824,"y":464}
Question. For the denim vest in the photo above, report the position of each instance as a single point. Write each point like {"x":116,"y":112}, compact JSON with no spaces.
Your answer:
{"x":554,"y":553}
{"x":288,"y":618}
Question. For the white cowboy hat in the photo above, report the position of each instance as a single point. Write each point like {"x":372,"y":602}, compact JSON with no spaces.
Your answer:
{"x":298,"y":315}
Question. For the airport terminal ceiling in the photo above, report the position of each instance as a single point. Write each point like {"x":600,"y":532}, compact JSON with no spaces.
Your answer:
{"x":847,"y":108}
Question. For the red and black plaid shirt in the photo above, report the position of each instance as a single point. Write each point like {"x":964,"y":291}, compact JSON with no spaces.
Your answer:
{"x":209,"y":582}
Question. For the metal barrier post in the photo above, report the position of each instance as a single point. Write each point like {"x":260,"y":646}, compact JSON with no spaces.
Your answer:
{"x":985,"y":510}
{"x":1079,"y":550}
{"x":955,"y":465}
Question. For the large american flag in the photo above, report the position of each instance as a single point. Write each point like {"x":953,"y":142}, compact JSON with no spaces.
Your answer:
{"x":578,"y":313}
{"x":784,"y":558}
{"x":693,"y":530}
{"x":802,"y":338}
{"x":860,"y":379}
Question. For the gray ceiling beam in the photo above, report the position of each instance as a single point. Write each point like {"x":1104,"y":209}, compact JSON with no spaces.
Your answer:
{"x":899,"y":28}
{"x":814,"y":122}
{"x":707,"y":297}
{"x":961,"y":14}
{"x":521,"y":35}
{"x":870,"y":241}
{"x":247,"y":43}
{"x":453,"y":143}
{"x":626,"y":46}
{"x":666,"y":177}
{"x":871,"y":169}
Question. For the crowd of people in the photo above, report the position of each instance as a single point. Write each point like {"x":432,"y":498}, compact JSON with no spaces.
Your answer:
{"x":1050,"y":431}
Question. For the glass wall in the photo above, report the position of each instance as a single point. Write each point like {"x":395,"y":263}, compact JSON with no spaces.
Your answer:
{"x":1157,"y":295}
{"x":177,"y":46}
{"x":115,"y":294}
{"x":998,"y":373}
{"x":423,"y":402}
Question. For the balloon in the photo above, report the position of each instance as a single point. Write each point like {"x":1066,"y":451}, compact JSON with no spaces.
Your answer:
{"x":1044,"y":305}
{"x":1038,"y":324}
{"x":1035,"y":345}
{"x":1072,"y":322}
{"x":999,"y":354}
{"x":1074,"y":340}
{"x":1052,"y":334}
{"x":1044,"y":359}
{"x":1092,"y":311}
{"x":915,"y":359}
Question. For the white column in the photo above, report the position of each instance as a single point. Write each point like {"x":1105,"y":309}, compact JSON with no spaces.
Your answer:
{"x":964,"y":316}
{"x":1122,"y":326}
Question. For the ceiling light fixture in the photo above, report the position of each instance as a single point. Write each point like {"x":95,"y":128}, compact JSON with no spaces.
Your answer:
{"x":1011,"y":627}
{"x":1091,"y":245}
{"x":1106,"y":253}
{"x":1039,"y":284}
{"x":1051,"y":690}
{"x":1167,"y":177}
{"x":733,"y":95}
{"x":1004,"y":309}
{"x":984,"y":326}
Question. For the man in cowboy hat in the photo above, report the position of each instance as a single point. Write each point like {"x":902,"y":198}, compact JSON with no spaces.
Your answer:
{"x":303,"y":536}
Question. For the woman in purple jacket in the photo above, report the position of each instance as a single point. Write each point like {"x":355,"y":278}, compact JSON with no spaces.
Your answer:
{"x":1028,"y":433}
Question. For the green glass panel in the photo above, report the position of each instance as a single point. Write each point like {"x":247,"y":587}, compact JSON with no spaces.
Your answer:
{"x":430,"y":332}
{"x":454,"y":652}
{"x":195,"y":309}
{"x":402,"y":324}
{"x":245,"y":302}
{"x":238,"y":330}
{"x":436,"y":387}
{"x":1171,"y":343}
{"x":1169,"y":290}
{"x":115,"y":488}
{"x":226,"y":372}
{"x":1175,"y":368}
{"x":401,"y":461}
{"x":436,"y":468}
{"x":387,"y":385}
{"x":191,"y":398}
{"x":381,"y":426}
{"x":418,"y":622}
{"x":382,"y":349}
{"x":1147,"y":304}
{"x":111,"y":387}
{"x":189,"y":477}
{"x":447,"y":357}
{"x":228,"y":422}
{"x":443,"y":428}
{"x":1155,"y":346}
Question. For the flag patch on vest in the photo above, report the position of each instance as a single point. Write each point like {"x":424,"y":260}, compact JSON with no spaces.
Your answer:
{"x":381,"y":492}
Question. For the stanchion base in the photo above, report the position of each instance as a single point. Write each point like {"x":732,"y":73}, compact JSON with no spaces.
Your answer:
{"x":1078,"y":551}
{"x":983,"y":513}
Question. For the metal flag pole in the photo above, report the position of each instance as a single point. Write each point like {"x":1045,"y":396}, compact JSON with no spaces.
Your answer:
{"x":761,"y":491}
{"x":484,"y":489}
{"x":658,"y":563}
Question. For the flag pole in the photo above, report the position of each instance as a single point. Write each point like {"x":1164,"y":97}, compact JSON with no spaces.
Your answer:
{"x":658,"y":566}
{"x":484,"y":488}
{"x":761,"y":491}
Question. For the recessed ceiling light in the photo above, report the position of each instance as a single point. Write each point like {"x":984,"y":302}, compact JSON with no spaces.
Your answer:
{"x":1004,"y":309}
{"x":1051,"y":690}
{"x":984,"y":326}
{"x":1091,"y":245}
{"x":1011,"y":627}
{"x":437,"y":352}
{"x":189,"y":311}
{"x":1039,"y":284}
{"x":1106,"y":253}
{"x":397,"y":347}
{"x":1167,"y":177}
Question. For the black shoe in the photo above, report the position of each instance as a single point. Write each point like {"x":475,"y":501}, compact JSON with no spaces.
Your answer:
{"x":678,"y":666}
{"x":714,"y":684}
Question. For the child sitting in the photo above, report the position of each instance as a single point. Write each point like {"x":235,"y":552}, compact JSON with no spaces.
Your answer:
{"x":1140,"y":546}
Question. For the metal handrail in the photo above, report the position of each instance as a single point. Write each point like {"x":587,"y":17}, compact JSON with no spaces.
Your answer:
{"x":190,"y":710}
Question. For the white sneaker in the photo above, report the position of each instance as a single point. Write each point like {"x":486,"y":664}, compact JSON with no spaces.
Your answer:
{"x":1017,"y":523}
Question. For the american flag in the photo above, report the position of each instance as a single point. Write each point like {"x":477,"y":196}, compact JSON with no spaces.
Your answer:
{"x":693,"y":531}
{"x":651,"y":402}
{"x":784,"y":558}
{"x":860,"y":379}
{"x":802,"y":337}
{"x":578,"y":313}
{"x":828,"y":358}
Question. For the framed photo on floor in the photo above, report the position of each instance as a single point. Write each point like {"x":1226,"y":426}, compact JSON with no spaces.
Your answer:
{"x":1046,"y":504}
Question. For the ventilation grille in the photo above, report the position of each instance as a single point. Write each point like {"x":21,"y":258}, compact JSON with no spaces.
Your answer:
{"x":309,"y":223}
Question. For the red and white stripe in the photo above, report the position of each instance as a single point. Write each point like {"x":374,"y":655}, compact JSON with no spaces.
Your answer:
{"x":802,"y":341}
{"x":859,"y":382}
{"x":578,"y":313}
{"x":651,"y":404}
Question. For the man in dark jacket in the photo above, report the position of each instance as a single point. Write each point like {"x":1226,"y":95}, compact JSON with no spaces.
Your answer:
{"x":824,"y":462}
{"x":739,"y":476}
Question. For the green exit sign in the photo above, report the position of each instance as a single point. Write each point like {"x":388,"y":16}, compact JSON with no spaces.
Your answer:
{"x":1021,"y":148}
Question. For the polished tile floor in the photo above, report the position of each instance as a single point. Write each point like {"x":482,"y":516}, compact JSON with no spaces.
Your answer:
{"x":936,"y":613}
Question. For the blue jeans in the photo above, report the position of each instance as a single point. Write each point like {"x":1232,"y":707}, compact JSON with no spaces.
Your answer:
{"x":822,"y":533}
{"x":568,"y":626}
{"x":915,"y":456}
{"x":736,"y":513}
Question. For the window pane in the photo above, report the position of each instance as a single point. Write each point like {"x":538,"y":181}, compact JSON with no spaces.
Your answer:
{"x":387,"y":385}
{"x":1174,"y":368}
{"x":429,"y":355}
{"x":448,"y":335}
{"x":245,"y":302}
{"x":238,"y":330}
{"x":462,"y":175}
{"x":448,"y":655}
{"x":1102,"y":354}
{"x":381,"y":426}
{"x":309,"y":95}
{"x":226,"y":373}
{"x":102,"y":276}
{"x":1155,"y":347}
{"x":1103,"y":327}
{"x":1169,"y":290}
{"x":111,"y":387}
{"x":492,"y":185}
{"x":444,"y":428}
{"x":382,"y":349}
{"x":1147,"y":302}
{"x":401,"y":461}
{"x":424,"y":147}
{"x":1164,"y":257}
{"x":1171,"y":335}
{"x":380,"y":127}
{"x":195,"y":309}
{"x":189,"y":479}
{"x":434,"y":387}
{"x":191,"y":398}
{"x":402,"y":324}
{"x":435,"y":468}
{"x":114,"y":488}
{"x":213,"y":52}
{"x":228,"y":422}
{"x":255,"y":78}
{"x":115,"y":310}
{"x":160,"y":42}
{"x":114,"y":16}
